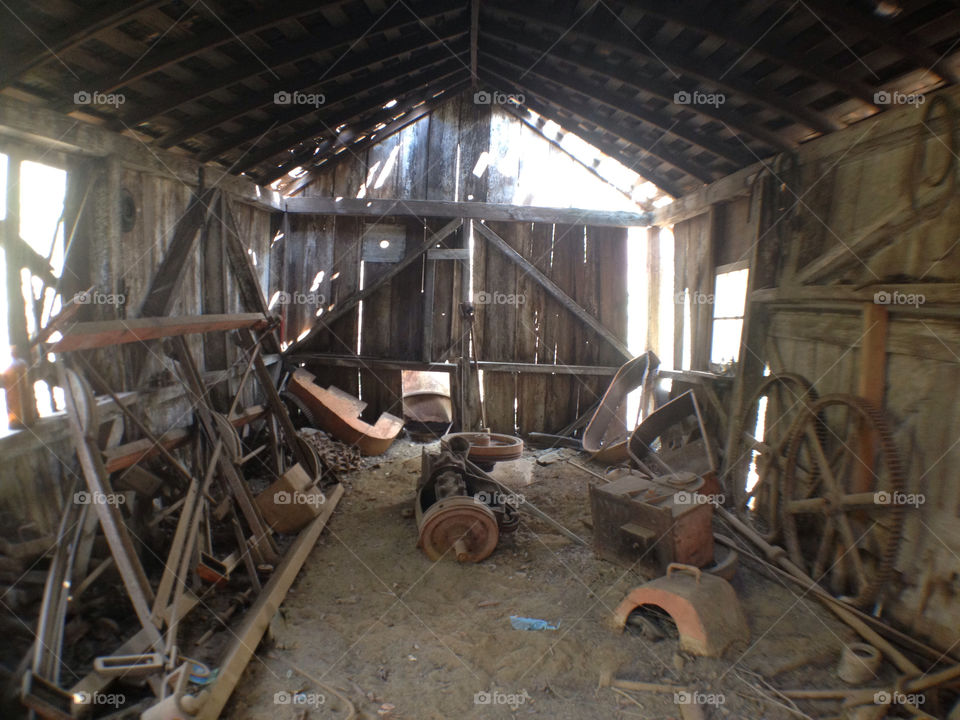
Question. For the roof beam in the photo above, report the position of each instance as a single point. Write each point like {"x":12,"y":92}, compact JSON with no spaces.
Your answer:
{"x":407,"y":76}
{"x":664,"y":91}
{"x":221,"y":34}
{"x":649,"y":145}
{"x":736,"y":155}
{"x":304,"y":82}
{"x":884,"y":33}
{"x":411,"y":116}
{"x":73,"y":33}
{"x":330,"y":40}
{"x":673,"y":62}
{"x":493,"y":212}
{"x":347,"y":115}
{"x":754,"y":40}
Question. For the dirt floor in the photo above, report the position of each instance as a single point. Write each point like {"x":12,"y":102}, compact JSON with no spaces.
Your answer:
{"x":405,"y":638}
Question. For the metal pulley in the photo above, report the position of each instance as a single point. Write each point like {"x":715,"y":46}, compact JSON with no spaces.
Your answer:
{"x":457,"y":511}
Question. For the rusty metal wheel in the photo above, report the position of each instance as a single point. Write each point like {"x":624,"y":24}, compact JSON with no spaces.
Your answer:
{"x":487,"y":447}
{"x":841,"y":507}
{"x":770,"y":414}
{"x":461,"y":525}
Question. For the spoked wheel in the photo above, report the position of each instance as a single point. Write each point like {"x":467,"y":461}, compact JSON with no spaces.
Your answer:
{"x":770,"y":413}
{"x":841,"y":507}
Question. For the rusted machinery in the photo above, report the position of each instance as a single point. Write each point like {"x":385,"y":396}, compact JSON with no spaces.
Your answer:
{"x":705,"y":609}
{"x":457,"y":509}
{"x":663,"y":519}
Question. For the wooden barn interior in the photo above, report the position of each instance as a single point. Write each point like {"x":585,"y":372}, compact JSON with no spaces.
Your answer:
{"x":442,"y":359}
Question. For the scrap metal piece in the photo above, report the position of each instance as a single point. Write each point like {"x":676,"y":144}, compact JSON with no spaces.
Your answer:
{"x":597,"y":437}
{"x":684,"y":444}
{"x":339,"y":414}
{"x":704,"y":607}
{"x":487,"y":447}
{"x":132,"y":666}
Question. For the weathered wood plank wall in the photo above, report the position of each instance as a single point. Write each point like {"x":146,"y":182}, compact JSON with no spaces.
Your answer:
{"x":849,"y":185}
{"x":38,"y":467}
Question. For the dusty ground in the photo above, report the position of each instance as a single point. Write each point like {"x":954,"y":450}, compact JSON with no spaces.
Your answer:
{"x":410,"y":639}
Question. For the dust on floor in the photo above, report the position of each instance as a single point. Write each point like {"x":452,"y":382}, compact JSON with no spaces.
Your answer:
{"x":408,"y":639}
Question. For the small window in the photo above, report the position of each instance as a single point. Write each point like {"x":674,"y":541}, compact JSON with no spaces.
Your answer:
{"x":730,"y":295}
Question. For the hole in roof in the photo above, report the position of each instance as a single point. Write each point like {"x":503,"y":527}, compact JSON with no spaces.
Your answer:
{"x":384,"y":244}
{"x":390,"y":104}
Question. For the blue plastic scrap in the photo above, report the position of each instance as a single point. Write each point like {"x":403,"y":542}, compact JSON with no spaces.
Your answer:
{"x":525,"y":623}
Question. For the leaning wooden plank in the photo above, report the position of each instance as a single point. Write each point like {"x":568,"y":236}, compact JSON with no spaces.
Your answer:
{"x":89,"y":335}
{"x":169,"y":276}
{"x":467,"y":210}
{"x":258,"y":617}
{"x":342,"y":308}
{"x":500,"y":244}
{"x":251,"y":292}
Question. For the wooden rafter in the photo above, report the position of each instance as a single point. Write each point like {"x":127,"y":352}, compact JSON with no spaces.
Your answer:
{"x":312,"y":82}
{"x":750,"y":40}
{"x":592,"y":65}
{"x":332,"y":42}
{"x":36,"y":52}
{"x":324,"y":152}
{"x":220,"y":34}
{"x":735,"y":155}
{"x":669,"y":60}
{"x":369,"y":108}
{"x":409,"y":76}
{"x":888,"y":35}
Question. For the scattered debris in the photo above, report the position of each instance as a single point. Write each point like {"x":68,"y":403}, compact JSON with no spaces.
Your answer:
{"x":519,"y":622}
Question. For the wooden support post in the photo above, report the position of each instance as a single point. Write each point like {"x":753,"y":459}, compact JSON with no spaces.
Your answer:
{"x":653,"y":290}
{"x":702,"y":334}
{"x":500,"y":244}
{"x":16,"y":304}
{"x":251,"y":292}
{"x":873,"y":376}
{"x":753,"y":337}
{"x":213,"y":300}
{"x":474,"y":40}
